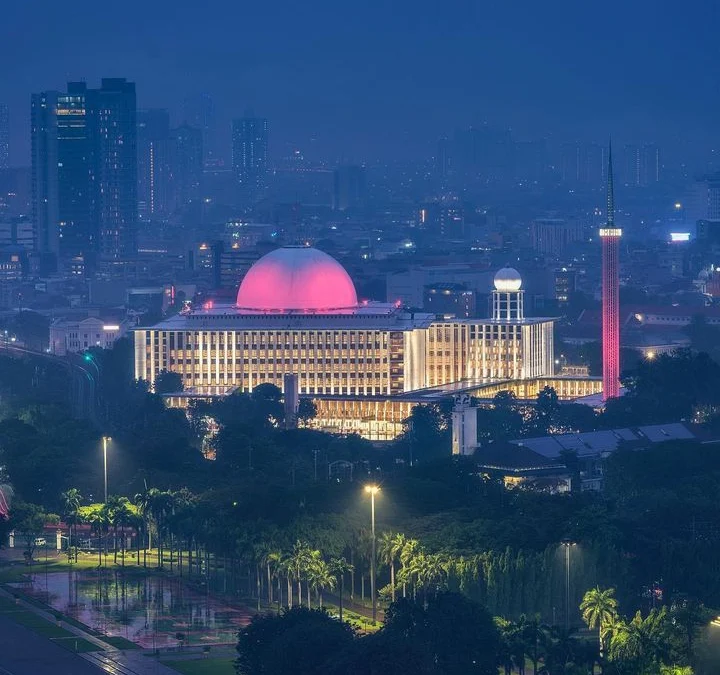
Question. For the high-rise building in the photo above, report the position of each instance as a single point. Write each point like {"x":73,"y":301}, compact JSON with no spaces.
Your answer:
{"x":610,"y":237}
{"x":199,"y":113}
{"x":114,"y":126}
{"x":349,"y":187}
{"x":250,"y":147}
{"x":4,"y":136}
{"x":188,"y":164}
{"x":84,"y":170}
{"x":45,"y":174}
{"x":553,"y":235}
{"x":155,"y":164}
{"x":641,"y":165}
{"x":582,"y":164}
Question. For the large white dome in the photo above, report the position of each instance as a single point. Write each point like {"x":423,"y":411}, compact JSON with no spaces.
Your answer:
{"x":296,"y":278}
{"x":508,"y":280}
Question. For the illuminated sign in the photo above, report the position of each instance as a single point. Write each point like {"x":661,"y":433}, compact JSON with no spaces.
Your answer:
{"x":111,"y":327}
{"x":679,"y":236}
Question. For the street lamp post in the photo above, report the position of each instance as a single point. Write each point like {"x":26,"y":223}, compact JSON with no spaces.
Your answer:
{"x":567,"y":544}
{"x":373,"y":490}
{"x":105,"y":440}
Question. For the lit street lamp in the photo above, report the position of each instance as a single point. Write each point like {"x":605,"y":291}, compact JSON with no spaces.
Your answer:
{"x":373,"y":490}
{"x":105,"y":440}
{"x":567,"y":544}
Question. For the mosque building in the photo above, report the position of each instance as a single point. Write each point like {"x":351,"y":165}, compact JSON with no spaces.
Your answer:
{"x":364,"y":364}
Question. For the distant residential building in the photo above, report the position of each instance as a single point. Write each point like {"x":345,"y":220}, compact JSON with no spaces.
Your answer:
{"x":15,"y":191}
{"x":232,"y":264}
{"x":250,"y":148}
{"x":641,"y":165}
{"x":444,"y":217}
{"x":156,"y":162}
{"x":199,"y":113}
{"x":349,"y":189}
{"x":84,"y":170}
{"x":13,"y":263}
{"x":553,"y":235}
{"x":4,"y":136}
{"x":583,"y":164}
{"x":449,"y":300}
{"x":73,"y":336}
{"x":565,"y":285}
{"x":188,"y":164}
{"x":18,"y":232}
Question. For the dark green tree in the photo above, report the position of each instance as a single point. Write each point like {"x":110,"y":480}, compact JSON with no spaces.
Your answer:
{"x":301,"y":641}
{"x":168,"y":382}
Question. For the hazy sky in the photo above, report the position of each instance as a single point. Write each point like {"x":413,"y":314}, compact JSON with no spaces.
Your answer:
{"x":382,"y":77}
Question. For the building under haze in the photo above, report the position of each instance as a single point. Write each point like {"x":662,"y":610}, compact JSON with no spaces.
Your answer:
{"x":4,"y":136}
{"x":641,"y":165}
{"x":349,"y":188}
{"x":249,"y":155}
{"x":84,"y":170}
{"x":188,"y":172}
{"x":365,"y":364}
{"x":156,"y":159}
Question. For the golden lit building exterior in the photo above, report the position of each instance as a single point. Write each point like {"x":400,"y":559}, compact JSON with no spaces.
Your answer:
{"x":297,"y":312}
{"x":286,"y":321}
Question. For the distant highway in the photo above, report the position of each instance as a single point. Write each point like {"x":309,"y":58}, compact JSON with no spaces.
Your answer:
{"x":82,"y":387}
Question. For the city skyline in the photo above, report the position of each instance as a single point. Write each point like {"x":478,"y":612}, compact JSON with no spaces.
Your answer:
{"x":357,"y":83}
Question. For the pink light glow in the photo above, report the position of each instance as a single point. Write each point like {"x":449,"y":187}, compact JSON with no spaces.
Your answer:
{"x":611,"y":316}
{"x":296,"y":278}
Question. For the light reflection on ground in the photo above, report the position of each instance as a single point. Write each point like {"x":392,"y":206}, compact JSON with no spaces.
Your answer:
{"x":147,"y":610}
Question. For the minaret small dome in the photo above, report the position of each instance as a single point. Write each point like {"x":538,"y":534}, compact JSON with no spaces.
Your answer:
{"x":508,"y":280}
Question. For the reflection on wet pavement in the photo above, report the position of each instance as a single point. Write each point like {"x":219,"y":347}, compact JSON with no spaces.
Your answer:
{"x":152,"y":611}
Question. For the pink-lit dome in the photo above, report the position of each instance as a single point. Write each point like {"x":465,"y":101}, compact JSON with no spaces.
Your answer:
{"x":296,"y":278}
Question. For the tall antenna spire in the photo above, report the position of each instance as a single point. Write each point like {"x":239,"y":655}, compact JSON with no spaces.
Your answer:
{"x":610,"y":195}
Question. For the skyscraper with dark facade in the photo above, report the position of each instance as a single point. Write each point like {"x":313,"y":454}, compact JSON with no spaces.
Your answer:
{"x":156,"y":161}
{"x":114,"y":126}
{"x":199,"y":113}
{"x":4,"y":136}
{"x":188,"y":164}
{"x":349,"y":187}
{"x":250,"y":148}
{"x":84,"y":170}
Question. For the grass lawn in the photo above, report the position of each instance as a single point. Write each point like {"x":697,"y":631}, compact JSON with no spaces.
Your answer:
{"x":119,"y":642}
{"x":203,"y":666}
{"x":76,"y":644}
{"x":46,"y":628}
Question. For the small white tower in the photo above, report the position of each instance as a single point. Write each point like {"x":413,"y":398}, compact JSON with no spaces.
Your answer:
{"x":507,"y":296}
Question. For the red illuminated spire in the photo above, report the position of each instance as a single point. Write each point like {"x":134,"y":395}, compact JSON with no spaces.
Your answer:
{"x":610,"y":237}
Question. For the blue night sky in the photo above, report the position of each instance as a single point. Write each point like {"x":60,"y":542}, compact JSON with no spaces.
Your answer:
{"x":381,"y":79}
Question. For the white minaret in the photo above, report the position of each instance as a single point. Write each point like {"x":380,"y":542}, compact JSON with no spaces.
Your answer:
{"x":507,"y":296}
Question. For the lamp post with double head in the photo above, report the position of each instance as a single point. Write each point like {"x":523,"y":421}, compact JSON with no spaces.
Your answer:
{"x":373,"y":490}
{"x":105,"y":440}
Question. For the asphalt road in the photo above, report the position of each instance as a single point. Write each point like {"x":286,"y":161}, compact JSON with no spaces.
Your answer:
{"x":22,"y":652}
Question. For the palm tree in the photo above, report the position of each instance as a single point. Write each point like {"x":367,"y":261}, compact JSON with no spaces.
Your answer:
{"x":143,"y":501}
{"x":71,"y":507}
{"x":96,"y":515}
{"x":409,"y":549}
{"x":319,"y":576}
{"x":287,"y":567}
{"x":299,"y":555}
{"x":642,"y":642}
{"x":339,"y":567}
{"x":599,"y":610}
{"x":387,"y":553}
{"x":271,"y":558}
